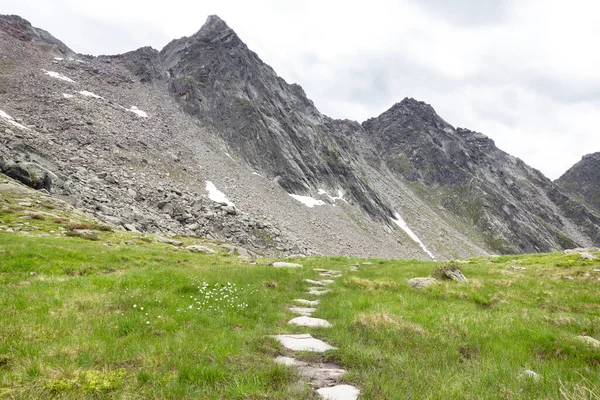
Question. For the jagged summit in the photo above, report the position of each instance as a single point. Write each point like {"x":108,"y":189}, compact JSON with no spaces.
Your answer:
{"x":215,"y":23}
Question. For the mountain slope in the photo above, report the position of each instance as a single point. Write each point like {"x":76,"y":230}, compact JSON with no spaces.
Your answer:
{"x":515,"y":207}
{"x":582,"y":180}
{"x":213,"y":115}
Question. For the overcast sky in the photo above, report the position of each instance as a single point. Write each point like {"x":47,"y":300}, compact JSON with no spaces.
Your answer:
{"x":524,"y":72}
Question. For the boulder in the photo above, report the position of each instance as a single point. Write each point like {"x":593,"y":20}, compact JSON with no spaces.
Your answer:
{"x":31,"y":174}
{"x":587,"y":256}
{"x":281,"y":264}
{"x":172,"y":242}
{"x":83,"y":233}
{"x":200,"y":249}
{"x":421,"y":283}
{"x":590,"y":341}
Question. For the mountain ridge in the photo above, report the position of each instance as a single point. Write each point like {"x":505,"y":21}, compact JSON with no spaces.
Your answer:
{"x":263,"y":139}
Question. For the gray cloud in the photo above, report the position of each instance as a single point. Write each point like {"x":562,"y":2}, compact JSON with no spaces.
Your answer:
{"x":469,"y":12}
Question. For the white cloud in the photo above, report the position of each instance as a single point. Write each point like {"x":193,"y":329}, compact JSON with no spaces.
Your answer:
{"x":525,"y":73}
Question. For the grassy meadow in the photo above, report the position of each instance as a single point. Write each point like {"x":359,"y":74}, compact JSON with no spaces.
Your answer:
{"x":124,"y":317}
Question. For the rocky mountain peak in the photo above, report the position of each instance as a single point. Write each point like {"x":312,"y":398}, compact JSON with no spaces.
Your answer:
{"x":215,"y":29}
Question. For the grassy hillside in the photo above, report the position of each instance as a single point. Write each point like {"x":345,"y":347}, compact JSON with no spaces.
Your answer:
{"x":126,"y":317}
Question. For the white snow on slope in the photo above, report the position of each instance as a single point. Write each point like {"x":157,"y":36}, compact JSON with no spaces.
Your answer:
{"x":308,"y":201}
{"x":90,"y":94}
{"x":67,"y":96}
{"x":58,"y":58}
{"x":402,"y":224}
{"x":58,"y":76}
{"x":216,"y":195}
{"x":340,"y":195}
{"x":12,"y":121}
{"x":137,"y":111}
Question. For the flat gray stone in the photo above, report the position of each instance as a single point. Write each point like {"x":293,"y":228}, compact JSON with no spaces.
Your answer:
{"x":310,"y":322}
{"x":529,"y":374}
{"x":172,"y":242}
{"x":318,"y":283}
{"x":307,"y":302}
{"x":339,"y":392}
{"x":319,"y":375}
{"x":421,"y":283}
{"x":304,"y":342}
{"x":281,"y":264}
{"x":200,"y":249}
{"x":589,"y":340}
{"x":306,"y":311}
{"x":330,"y":275}
{"x":317,"y":291}
{"x":289,"y":361}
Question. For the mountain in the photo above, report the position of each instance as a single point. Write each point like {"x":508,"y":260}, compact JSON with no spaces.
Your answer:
{"x":582,"y":181}
{"x":204,"y":138}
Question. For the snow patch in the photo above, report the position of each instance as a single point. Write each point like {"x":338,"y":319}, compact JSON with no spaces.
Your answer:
{"x":340,"y":195}
{"x":216,"y":195}
{"x":90,"y":94}
{"x":137,"y":111}
{"x":308,"y":201}
{"x":58,"y":58}
{"x":67,"y":96}
{"x":12,"y":121}
{"x":402,"y":224}
{"x":58,"y":76}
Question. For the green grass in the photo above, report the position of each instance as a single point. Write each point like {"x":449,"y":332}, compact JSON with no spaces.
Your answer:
{"x":128,"y":318}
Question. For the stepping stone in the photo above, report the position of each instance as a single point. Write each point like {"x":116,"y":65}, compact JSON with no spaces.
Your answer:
{"x":339,"y":392}
{"x":289,"y":362}
{"x":307,"y":302}
{"x":354,"y":269}
{"x":329,"y":275}
{"x":367,"y":263}
{"x":317,"y":291}
{"x":322,"y":375}
{"x":309,"y":321}
{"x":327,"y":281}
{"x":281,"y":264}
{"x":307,"y":311}
{"x":318,"y":283}
{"x":303,"y":342}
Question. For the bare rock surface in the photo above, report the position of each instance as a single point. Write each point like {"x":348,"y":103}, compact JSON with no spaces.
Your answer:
{"x":339,"y":392}
{"x":281,"y":264}
{"x":590,"y":341}
{"x":307,"y":302}
{"x":310,"y":322}
{"x":421,"y":283}
{"x":303,"y":342}
{"x":305,"y":311}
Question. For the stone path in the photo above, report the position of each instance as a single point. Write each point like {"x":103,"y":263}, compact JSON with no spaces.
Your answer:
{"x":325,"y":378}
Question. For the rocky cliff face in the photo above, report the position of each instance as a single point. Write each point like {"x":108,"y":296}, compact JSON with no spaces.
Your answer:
{"x":144,"y":139}
{"x":582,"y":181}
